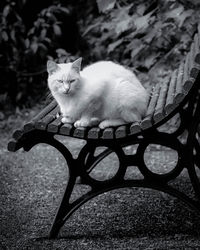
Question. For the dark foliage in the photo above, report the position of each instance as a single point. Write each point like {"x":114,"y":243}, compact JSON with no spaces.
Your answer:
{"x":148,"y":36}
{"x":33,"y":32}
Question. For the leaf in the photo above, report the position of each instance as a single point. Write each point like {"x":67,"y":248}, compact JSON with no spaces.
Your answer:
{"x":34,"y":47}
{"x":5,"y":36}
{"x":6,"y":10}
{"x":27,"y":42}
{"x":105,"y":5}
{"x":137,"y":50}
{"x":65,"y":10}
{"x":57,"y":30}
{"x":150,"y":61}
{"x":12,"y":35}
{"x":142,"y":22}
{"x":61,"y":52}
{"x":184,"y":16}
{"x":114,"y":45}
{"x":175,"y":12}
{"x":43,"y":34}
{"x":122,"y":21}
{"x":90,"y":27}
{"x":122,"y":26}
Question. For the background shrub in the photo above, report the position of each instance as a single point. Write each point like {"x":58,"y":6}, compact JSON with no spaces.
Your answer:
{"x":151,"y":37}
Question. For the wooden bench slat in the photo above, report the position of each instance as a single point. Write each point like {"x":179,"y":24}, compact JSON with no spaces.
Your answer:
{"x":66,"y":129}
{"x":197,"y":46}
{"x":188,"y":81}
{"x":169,"y":106}
{"x":13,"y":146}
{"x":195,"y":67}
{"x":31,"y":124}
{"x":17,"y":134}
{"x":108,"y":133}
{"x":159,"y":113}
{"x":43,"y":123}
{"x":182,"y":75}
{"x":94,"y":133}
{"x":54,"y":126}
{"x":147,"y":121}
{"x":80,"y":132}
{"x":121,"y":131}
{"x":135,"y":128}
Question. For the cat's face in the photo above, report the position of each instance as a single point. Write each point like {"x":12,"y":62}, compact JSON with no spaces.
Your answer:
{"x":64,"y":79}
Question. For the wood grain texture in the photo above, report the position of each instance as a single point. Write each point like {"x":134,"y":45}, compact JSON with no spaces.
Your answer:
{"x":147,"y":121}
{"x":108,"y":133}
{"x":159,"y":113}
{"x":135,"y":128}
{"x":182,"y":75}
{"x":195,"y":67}
{"x":94,"y":133}
{"x":18,"y":134}
{"x":31,"y":124}
{"x":13,"y":146}
{"x":197,"y":46}
{"x":121,"y":131}
{"x":80,"y":132}
{"x":169,"y":106}
{"x":54,"y":126}
{"x":66,"y":129}
{"x":43,"y":123}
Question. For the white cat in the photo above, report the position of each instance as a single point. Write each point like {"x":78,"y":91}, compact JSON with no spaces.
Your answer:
{"x":104,"y":93}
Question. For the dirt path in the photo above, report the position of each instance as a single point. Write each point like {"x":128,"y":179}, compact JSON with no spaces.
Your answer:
{"x":32,"y":185}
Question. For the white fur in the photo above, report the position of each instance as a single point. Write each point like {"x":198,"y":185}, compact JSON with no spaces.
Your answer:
{"x":104,"y":93}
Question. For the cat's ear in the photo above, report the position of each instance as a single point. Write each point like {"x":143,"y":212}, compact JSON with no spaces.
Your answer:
{"x":52,"y":67}
{"x":76,"y":65}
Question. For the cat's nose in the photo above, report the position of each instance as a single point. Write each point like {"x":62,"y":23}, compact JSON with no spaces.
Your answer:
{"x":66,"y":88}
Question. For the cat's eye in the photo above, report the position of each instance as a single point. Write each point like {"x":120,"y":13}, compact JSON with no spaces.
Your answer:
{"x":60,"y":81}
{"x":72,"y":80}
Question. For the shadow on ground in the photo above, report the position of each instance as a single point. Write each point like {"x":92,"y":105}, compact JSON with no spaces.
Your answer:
{"x":31,"y":188}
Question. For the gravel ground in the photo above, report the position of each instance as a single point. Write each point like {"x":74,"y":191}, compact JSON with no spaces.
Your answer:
{"x":31,"y":188}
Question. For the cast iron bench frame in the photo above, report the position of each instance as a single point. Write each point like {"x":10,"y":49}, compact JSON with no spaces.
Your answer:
{"x":177,"y":95}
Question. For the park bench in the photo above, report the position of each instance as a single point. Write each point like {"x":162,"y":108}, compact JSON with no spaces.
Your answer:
{"x":177,"y":95}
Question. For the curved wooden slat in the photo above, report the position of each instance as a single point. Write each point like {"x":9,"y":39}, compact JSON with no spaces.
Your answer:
{"x":159,"y":113}
{"x":147,"y":121}
{"x":43,"y":123}
{"x":80,"y":132}
{"x":13,"y":146}
{"x":195,"y":67}
{"x":66,"y":129}
{"x":94,"y":133}
{"x":54,"y":126}
{"x":121,"y":131}
{"x":108,"y":133}
{"x":18,"y":134}
{"x":31,"y":124}
{"x":182,"y":75}
{"x":187,"y":81}
{"x":169,"y":106}
{"x":197,"y":46}
{"x":135,"y":128}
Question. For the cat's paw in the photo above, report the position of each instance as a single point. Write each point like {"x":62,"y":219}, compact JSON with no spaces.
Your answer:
{"x":66,"y":120}
{"x":81,"y":123}
{"x":111,"y":123}
{"x":94,"y":121}
{"x":103,"y":125}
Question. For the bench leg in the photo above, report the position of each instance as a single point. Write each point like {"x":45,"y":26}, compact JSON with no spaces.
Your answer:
{"x":63,"y":209}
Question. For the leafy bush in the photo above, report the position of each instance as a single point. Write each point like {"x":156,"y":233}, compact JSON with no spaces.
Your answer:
{"x":25,"y":50}
{"x":149,"y":36}
{"x":144,"y":35}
